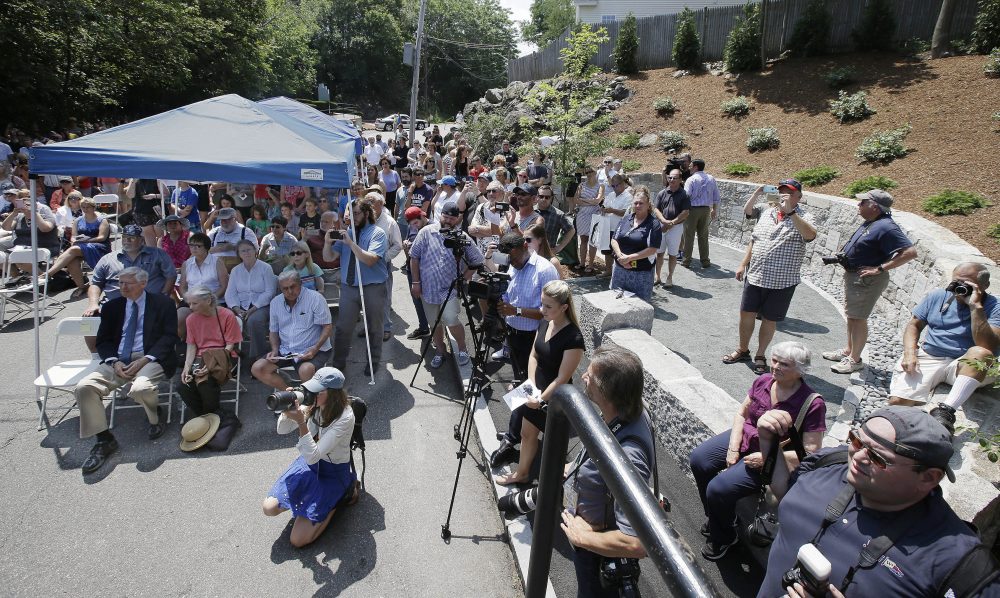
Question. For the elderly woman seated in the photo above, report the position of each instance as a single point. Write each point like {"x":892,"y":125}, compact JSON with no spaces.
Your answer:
{"x":251,"y":287}
{"x":212,"y":335}
{"x":727,"y":467}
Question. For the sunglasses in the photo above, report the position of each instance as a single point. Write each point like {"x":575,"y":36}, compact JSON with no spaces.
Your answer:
{"x":296,"y":253}
{"x":541,"y":196}
{"x":607,"y":161}
{"x":873,"y":456}
{"x":671,"y":178}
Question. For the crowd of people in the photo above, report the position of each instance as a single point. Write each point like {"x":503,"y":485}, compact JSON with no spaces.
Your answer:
{"x":210,"y":273}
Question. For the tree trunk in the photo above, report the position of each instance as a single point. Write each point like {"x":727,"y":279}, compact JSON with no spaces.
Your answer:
{"x":942,"y":30}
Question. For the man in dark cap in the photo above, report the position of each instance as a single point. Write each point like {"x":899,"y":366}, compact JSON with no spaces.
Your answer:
{"x":889,"y":488}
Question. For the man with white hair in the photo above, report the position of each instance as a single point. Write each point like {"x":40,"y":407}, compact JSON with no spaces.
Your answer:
{"x":136,"y":342}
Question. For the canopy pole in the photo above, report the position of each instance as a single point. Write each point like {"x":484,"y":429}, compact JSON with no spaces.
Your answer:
{"x":34,"y":275}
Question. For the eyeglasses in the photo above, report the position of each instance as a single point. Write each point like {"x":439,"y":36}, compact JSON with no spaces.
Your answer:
{"x":607,"y":161}
{"x":873,"y":456}
{"x":671,"y":178}
{"x":296,"y":253}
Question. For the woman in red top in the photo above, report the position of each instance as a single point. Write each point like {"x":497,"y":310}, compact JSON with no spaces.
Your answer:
{"x":175,"y":242}
{"x":208,"y":327}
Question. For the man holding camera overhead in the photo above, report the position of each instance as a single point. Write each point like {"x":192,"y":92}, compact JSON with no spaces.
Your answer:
{"x":878,"y":246}
{"x":369,"y":251}
{"x":962,"y":322}
{"x":432,"y":270}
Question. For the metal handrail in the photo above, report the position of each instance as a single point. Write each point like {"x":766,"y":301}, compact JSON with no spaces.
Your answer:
{"x":664,"y":546}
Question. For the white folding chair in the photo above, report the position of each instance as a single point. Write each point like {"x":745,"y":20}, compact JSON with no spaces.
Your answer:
{"x":118,"y":397}
{"x":237,"y":387}
{"x":115,"y":237}
{"x":109,"y":198}
{"x":65,"y":375}
{"x":22,"y":255}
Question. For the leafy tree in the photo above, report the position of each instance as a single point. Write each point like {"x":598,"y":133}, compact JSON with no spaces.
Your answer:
{"x":627,"y":47}
{"x":549,"y":18}
{"x":687,"y":46}
{"x":742,"y":50}
{"x":582,"y":45}
{"x":877,"y":28}
{"x":986,"y":34}
{"x":812,"y":31}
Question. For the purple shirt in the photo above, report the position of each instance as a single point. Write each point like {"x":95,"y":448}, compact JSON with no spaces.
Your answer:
{"x":760,"y":402}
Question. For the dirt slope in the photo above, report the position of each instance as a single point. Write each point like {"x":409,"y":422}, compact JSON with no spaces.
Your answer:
{"x":948,"y":103}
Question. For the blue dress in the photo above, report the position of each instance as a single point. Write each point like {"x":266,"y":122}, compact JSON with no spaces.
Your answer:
{"x":92,"y":252}
{"x":312,"y":491}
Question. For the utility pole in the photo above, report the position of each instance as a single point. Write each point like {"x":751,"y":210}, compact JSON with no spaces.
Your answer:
{"x":415,"y":88}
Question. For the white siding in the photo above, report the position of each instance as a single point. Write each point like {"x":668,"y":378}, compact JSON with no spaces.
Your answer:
{"x":642,"y":8}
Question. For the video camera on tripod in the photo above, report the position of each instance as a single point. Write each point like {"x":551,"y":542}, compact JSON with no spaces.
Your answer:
{"x":455,"y":239}
{"x":490,"y":287}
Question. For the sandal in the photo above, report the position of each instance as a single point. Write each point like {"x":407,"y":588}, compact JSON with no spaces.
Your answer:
{"x":736,"y":357}
{"x":760,"y":365}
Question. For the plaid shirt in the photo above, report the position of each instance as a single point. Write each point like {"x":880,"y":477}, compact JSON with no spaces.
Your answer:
{"x":437,"y":263}
{"x":556,"y":224}
{"x":778,"y":249}
{"x":525,"y":289}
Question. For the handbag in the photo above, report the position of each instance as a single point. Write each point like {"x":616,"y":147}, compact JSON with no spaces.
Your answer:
{"x":218,"y":360}
{"x":764,"y":527}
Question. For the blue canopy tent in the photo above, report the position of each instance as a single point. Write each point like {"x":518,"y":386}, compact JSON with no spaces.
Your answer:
{"x":226,"y":138}
{"x":308,"y":114}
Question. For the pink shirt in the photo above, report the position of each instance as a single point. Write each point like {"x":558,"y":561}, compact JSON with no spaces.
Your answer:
{"x":213,"y":332}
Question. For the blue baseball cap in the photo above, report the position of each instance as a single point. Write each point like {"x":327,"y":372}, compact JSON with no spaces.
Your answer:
{"x":132,"y":230}
{"x":450,"y":181}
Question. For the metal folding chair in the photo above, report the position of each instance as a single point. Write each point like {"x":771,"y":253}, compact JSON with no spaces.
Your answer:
{"x":237,"y":383}
{"x":22,"y":255}
{"x":65,"y":375}
{"x":109,"y":199}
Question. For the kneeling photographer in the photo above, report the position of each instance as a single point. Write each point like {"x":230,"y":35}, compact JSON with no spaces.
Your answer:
{"x":605,"y":542}
{"x":320,"y":479}
{"x":876,"y":525}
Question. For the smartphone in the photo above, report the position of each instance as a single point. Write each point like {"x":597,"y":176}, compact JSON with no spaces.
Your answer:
{"x":336,"y":235}
{"x":771,"y":194}
{"x":19,"y":204}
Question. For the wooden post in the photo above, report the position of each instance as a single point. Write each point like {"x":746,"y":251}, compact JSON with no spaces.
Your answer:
{"x":704,"y":25}
{"x":763,"y":33}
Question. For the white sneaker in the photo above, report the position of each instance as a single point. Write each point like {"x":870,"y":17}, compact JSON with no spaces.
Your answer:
{"x":503,"y":353}
{"x":847,"y":365}
{"x":463,"y":358}
{"x":837,"y":355}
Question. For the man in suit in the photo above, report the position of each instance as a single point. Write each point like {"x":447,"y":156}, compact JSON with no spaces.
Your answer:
{"x":136,"y":343}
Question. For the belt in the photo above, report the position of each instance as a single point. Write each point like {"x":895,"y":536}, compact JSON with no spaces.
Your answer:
{"x":516,"y":331}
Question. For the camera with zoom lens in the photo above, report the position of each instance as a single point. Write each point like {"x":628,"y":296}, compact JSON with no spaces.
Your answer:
{"x":837,"y":258}
{"x":491,"y":287}
{"x":959,"y":288}
{"x":811,"y":571}
{"x":518,"y":503}
{"x":283,"y":400}
{"x":621,"y":574}
{"x":455,"y":239}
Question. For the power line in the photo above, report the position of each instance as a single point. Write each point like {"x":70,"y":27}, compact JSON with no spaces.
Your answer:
{"x":471,"y":45}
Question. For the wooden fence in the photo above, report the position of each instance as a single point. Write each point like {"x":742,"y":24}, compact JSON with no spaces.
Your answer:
{"x":914,"y":18}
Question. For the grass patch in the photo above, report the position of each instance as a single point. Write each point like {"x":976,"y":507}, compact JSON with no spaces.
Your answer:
{"x":740,"y":169}
{"x":883,"y":147}
{"x":664,"y":106}
{"x":993,"y":232}
{"x":840,"y":77}
{"x":763,"y":138}
{"x":816,"y":176}
{"x":631,"y":165}
{"x":736,"y":107}
{"x":954,"y":202}
{"x":672,"y":140}
{"x":848,"y":107}
{"x":602,"y":123}
{"x":868,"y":183}
{"x":628,"y":141}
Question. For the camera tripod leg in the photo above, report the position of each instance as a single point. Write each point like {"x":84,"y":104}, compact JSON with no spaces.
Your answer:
{"x":429,"y":341}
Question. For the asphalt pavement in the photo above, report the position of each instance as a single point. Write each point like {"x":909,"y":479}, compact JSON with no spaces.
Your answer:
{"x":158,"y":521}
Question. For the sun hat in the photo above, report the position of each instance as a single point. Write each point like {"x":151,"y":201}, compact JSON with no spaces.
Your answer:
{"x":199,"y":431}
{"x":323,"y":379}
{"x":918,"y":436}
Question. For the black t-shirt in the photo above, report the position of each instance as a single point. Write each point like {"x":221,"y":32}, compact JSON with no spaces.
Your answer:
{"x":307,"y":222}
{"x":204,"y":200}
{"x":549,"y":354}
{"x":537,"y":171}
{"x":145,"y":187}
{"x":672,"y":204}
{"x":400,"y":152}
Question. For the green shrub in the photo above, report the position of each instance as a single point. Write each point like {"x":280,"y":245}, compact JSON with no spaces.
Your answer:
{"x":877,"y":28}
{"x":664,"y":106}
{"x":631,"y":165}
{"x":627,"y":47}
{"x":816,"y":176}
{"x":581,"y":46}
{"x":736,"y":107}
{"x":763,"y":138}
{"x":996,"y":115}
{"x":812,"y":31}
{"x":687,"y":47}
{"x":993,"y":232}
{"x":672,"y":140}
{"x":742,"y":50}
{"x":868,"y":183}
{"x":602,"y":123}
{"x":986,"y":32}
{"x":992,"y":66}
{"x":954,"y":202}
{"x":883,"y":147}
{"x":740,"y":169}
{"x":914,"y":46}
{"x":628,"y":141}
{"x":839,"y":77}
{"x":851,"y":107}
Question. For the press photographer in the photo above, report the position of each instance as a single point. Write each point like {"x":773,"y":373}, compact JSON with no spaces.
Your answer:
{"x":878,"y":246}
{"x":440,"y":252}
{"x":320,"y":479}
{"x":521,"y":303}
{"x":879,"y":522}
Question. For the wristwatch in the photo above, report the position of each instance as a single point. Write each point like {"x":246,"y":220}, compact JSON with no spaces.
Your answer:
{"x":880,"y":268}
{"x":518,"y":312}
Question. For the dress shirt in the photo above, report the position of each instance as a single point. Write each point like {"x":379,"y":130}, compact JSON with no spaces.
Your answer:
{"x":525,"y":289}
{"x":702,"y":190}
{"x":334,"y":443}
{"x":395,"y":239}
{"x":299,"y":326}
{"x":251,"y":288}
{"x":373,"y":240}
{"x":153,"y":260}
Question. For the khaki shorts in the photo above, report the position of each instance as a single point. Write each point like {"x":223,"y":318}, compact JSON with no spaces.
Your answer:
{"x":450,"y":315}
{"x":861,"y":294}
{"x":919,"y":386}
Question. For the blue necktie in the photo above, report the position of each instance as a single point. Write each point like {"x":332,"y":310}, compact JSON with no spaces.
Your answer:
{"x":130,"y":328}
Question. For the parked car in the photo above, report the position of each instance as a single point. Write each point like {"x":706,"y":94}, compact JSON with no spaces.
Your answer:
{"x":388,"y":123}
